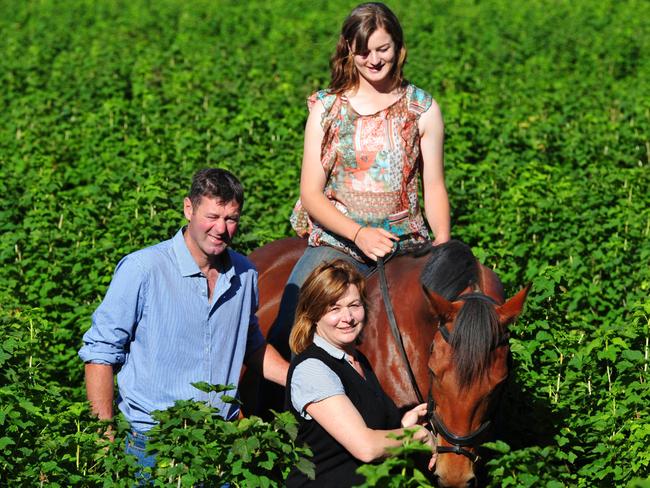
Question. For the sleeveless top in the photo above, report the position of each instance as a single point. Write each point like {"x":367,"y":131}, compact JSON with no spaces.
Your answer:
{"x":372,"y":164}
{"x":335,"y":466}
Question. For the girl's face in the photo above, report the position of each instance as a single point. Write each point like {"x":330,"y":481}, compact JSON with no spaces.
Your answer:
{"x":343,"y":321}
{"x":376,"y":64}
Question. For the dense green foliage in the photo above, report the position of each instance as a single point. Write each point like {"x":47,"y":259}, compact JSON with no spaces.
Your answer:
{"x":194,"y":445}
{"x":108,"y":107}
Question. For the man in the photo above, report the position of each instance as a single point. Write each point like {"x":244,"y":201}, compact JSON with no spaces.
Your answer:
{"x":179,"y":312}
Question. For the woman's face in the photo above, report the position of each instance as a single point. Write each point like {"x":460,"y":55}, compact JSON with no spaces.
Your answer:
{"x":343,"y":321}
{"x":376,"y":64}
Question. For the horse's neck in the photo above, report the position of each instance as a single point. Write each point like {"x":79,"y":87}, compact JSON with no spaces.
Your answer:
{"x":403,"y":276}
{"x":490,"y":284}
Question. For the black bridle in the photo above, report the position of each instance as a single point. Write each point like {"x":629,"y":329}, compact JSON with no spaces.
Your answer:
{"x":458,"y":444}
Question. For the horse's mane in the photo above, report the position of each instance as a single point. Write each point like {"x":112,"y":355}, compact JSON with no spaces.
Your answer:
{"x":452,"y":268}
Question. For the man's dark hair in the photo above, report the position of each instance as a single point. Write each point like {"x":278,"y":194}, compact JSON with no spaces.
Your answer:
{"x":216,"y":183}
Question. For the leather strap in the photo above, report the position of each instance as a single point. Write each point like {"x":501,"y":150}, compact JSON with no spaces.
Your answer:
{"x":383,"y":285}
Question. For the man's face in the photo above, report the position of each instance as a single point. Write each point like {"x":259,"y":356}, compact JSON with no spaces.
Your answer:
{"x":212,"y":226}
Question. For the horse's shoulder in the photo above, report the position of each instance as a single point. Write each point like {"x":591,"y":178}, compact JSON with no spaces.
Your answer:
{"x":406,"y":266}
{"x":412,"y":260}
{"x":402,"y":273}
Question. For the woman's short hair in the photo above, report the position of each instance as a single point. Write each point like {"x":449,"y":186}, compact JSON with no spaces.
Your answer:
{"x":324,"y":286}
{"x":357,"y":28}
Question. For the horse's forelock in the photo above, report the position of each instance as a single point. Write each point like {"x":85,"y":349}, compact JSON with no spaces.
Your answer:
{"x":475,"y":335}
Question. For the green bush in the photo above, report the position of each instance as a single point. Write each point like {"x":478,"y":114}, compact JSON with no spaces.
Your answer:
{"x":193,"y":444}
{"x":109,"y":107}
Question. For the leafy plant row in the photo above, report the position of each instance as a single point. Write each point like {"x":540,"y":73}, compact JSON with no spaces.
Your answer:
{"x":108,"y":108}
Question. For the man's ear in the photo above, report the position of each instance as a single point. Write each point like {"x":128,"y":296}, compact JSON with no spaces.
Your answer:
{"x":188,"y":209}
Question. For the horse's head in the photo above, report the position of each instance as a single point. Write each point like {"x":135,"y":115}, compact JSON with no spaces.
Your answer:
{"x":468,"y":361}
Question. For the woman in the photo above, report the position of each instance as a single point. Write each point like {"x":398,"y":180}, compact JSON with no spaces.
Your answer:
{"x":367,"y":138}
{"x":344,"y":415}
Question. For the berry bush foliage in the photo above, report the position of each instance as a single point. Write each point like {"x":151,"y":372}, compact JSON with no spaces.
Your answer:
{"x":108,"y":107}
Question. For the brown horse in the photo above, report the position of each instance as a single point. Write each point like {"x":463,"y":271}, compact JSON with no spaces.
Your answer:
{"x":456,"y":347}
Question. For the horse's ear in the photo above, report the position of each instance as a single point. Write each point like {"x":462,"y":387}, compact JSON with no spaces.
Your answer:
{"x":440,"y":306}
{"x":509,"y":311}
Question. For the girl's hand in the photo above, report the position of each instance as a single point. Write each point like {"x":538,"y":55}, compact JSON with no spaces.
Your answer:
{"x":373,"y":242}
{"x":414,"y":416}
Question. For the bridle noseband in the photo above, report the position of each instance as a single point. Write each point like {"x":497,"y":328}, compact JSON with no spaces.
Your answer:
{"x":458,"y":444}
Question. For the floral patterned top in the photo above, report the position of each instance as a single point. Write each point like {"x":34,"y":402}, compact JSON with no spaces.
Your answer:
{"x":372,"y":164}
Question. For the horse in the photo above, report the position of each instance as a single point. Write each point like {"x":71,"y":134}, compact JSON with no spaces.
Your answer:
{"x":452,"y":323}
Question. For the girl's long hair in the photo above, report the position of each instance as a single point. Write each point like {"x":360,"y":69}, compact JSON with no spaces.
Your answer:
{"x":357,"y":28}
{"x":323,"y":287}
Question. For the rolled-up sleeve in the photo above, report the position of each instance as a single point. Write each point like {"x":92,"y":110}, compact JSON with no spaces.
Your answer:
{"x":114,"y":321}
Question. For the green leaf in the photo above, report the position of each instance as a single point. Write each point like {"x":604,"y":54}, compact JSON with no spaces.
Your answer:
{"x":306,"y":467}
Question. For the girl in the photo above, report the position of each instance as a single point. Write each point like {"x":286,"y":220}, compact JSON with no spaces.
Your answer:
{"x":368,"y":138}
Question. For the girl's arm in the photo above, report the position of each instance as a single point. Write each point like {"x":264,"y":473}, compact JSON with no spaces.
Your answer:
{"x":436,"y":201}
{"x":373,"y":242}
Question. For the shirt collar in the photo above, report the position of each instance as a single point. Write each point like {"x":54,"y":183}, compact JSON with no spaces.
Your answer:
{"x":186,"y":263}
{"x":333,"y":351}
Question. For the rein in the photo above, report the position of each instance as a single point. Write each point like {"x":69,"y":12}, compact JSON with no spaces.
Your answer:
{"x":388,"y":305}
{"x":458,"y":443}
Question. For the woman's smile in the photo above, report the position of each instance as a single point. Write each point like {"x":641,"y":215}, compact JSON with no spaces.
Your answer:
{"x":375,"y":63}
{"x":343,"y":322}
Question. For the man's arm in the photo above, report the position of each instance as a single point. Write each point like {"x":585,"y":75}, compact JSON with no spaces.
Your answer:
{"x":99,"y":389}
{"x":268,"y":362}
{"x":112,"y":328}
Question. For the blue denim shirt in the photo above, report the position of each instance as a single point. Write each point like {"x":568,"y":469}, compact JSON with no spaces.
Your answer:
{"x":157,"y":323}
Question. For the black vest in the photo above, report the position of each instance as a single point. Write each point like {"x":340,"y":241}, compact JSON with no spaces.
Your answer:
{"x":335,"y":466}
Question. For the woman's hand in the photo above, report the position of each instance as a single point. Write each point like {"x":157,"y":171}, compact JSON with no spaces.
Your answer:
{"x":432,"y":461}
{"x":414,"y":416}
{"x":425,"y":436}
{"x":374,"y":242}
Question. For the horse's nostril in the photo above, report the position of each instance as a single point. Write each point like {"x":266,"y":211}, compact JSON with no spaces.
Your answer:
{"x":471,"y":483}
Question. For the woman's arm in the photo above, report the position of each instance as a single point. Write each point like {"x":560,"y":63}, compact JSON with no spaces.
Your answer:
{"x":340,"y":418}
{"x":372,"y":242}
{"x":436,"y":201}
